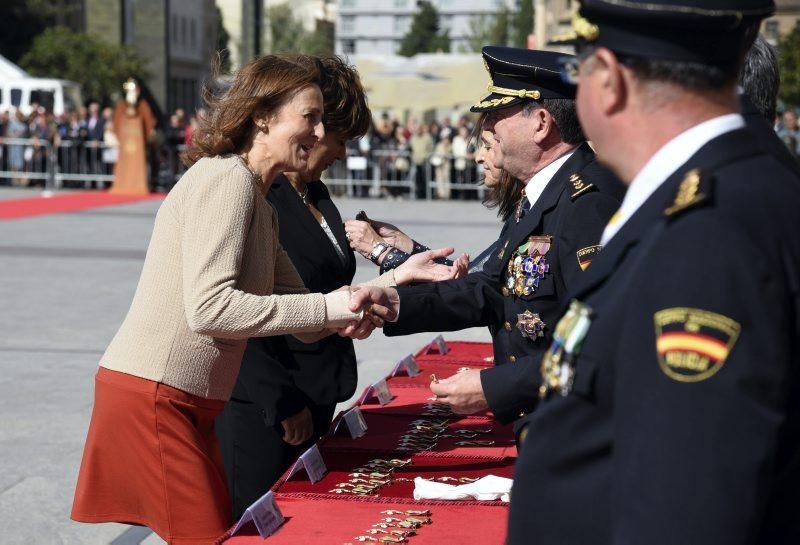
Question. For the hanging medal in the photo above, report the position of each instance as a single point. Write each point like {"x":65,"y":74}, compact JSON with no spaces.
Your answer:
{"x":558,"y":363}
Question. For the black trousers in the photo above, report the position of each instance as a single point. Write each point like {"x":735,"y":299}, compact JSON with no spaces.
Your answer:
{"x":254,"y":454}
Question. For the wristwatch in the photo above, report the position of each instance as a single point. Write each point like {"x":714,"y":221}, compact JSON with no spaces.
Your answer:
{"x":377,"y":250}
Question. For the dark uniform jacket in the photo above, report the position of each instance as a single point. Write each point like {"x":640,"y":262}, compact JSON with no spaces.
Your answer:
{"x":574,"y":208}
{"x":683,"y":422}
{"x":283,"y":374}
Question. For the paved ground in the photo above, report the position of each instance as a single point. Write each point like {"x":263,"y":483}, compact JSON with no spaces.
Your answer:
{"x":65,"y":284}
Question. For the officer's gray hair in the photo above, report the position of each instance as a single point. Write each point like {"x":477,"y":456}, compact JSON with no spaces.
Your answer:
{"x":760,"y":78}
{"x":564,"y":114}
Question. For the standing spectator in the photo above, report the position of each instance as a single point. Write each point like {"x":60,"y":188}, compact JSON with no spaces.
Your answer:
{"x":421,"y":149}
{"x":176,"y":135}
{"x":17,"y":128}
{"x":95,"y":123}
{"x":189,"y":131}
{"x":459,"y":151}
{"x":789,"y":132}
{"x":441,"y":162}
{"x":398,"y":163}
{"x":435,"y":131}
{"x":446,"y":129}
{"x":4,"y":118}
{"x":111,"y":146}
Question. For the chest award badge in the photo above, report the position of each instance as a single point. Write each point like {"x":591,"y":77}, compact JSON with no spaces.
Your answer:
{"x":528,"y":265}
{"x":558,"y":363}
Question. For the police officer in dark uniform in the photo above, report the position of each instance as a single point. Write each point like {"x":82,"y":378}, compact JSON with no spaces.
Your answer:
{"x":670,"y":409}
{"x":544,"y":246}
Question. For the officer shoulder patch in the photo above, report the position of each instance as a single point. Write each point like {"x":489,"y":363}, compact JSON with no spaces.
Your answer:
{"x":694,"y":189}
{"x":586,"y":255}
{"x":580,"y":187}
{"x":693,"y":344}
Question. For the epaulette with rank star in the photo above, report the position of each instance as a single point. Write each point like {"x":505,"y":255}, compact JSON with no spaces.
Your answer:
{"x":579,"y":187}
{"x":694,"y":190}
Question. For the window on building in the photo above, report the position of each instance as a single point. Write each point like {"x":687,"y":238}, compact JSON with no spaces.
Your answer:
{"x":348,"y":24}
{"x":446,"y":22}
{"x":348,"y":47}
{"x":400,"y":3}
{"x":772,"y":31}
{"x":16,"y":97}
{"x":44,"y":97}
{"x":174,"y":29}
{"x":193,"y":35}
{"x":348,"y":3}
{"x":183,"y":31}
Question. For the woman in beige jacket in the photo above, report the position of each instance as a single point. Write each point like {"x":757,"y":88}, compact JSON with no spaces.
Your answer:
{"x":213,"y":276}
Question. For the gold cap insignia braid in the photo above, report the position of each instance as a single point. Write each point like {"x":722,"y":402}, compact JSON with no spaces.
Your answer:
{"x":581,"y":28}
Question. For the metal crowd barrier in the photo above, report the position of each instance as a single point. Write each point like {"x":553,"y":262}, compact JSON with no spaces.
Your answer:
{"x":90,"y":164}
{"x":393,"y":172}
{"x":28,"y":161}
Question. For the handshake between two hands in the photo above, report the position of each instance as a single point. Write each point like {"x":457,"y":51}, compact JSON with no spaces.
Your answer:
{"x":383,"y":304}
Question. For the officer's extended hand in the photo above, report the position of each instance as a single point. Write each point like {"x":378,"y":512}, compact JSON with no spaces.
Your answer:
{"x":421,"y":267}
{"x":298,"y":428}
{"x":381,"y":302}
{"x":462,"y":391}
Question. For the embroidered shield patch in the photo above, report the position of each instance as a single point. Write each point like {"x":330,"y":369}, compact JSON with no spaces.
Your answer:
{"x":586,"y":255}
{"x":693,"y":344}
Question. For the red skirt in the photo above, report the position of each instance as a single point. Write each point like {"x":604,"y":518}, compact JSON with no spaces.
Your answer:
{"x":152,"y":459}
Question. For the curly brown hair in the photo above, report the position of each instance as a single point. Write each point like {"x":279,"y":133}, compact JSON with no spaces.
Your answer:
{"x":345,"y":103}
{"x":259,"y":89}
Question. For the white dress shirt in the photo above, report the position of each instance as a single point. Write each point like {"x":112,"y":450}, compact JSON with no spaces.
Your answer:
{"x":535,"y":186}
{"x":664,"y":163}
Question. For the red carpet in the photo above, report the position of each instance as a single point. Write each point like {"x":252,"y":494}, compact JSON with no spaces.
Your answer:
{"x":69,"y":202}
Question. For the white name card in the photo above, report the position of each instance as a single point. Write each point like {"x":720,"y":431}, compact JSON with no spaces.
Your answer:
{"x":407,"y":365}
{"x":311,"y":460}
{"x":264,"y":513}
{"x":356,"y":424}
{"x":439,"y":345}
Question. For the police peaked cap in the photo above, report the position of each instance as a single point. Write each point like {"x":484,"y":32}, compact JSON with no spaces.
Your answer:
{"x":517,"y":75}
{"x":706,"y":31}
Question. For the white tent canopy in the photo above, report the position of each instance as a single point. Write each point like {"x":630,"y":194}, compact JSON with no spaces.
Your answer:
{"x":423,"y":82}
{"x":9,"y":70}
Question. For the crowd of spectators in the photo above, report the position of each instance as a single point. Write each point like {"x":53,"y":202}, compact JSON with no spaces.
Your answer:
{"x":416,"y":152}
{"x":440,"y":151}
{"x":84,"y":142}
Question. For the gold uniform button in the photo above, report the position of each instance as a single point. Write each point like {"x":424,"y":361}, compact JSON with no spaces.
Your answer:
{"x":507,"y":326}
{"x":512,"y":359}
{"x":504,"y":291}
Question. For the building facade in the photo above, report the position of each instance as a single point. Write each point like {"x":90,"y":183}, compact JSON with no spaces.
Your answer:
{"x":787,"y":13}
{"x":378,"y":26}
{"x":177,"y":39}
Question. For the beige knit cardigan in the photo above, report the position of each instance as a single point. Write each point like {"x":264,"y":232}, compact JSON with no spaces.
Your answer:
{"x":215,"y":275}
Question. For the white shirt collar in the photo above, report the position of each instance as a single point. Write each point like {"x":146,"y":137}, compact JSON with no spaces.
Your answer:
{"x":664,"y":163}
{"x":535,"y":186}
